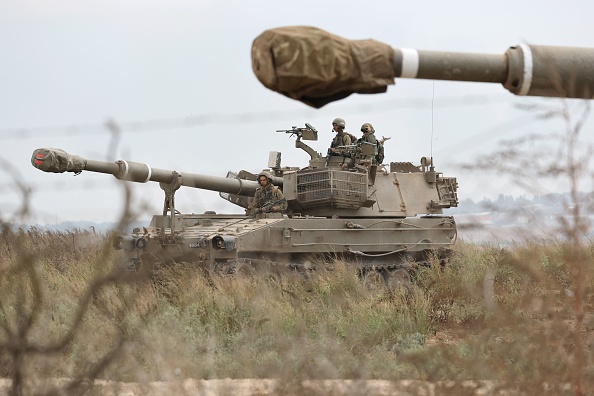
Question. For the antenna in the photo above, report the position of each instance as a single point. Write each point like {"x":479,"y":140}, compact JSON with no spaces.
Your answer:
{"x":431,"y":149}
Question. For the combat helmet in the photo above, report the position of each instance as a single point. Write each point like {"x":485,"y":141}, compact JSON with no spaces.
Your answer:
{"x":367,"y":127}
{"x":267,"y":175}
{"x":340,"y":122}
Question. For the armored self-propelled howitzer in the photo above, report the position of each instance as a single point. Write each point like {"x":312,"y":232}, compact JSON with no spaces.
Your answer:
{"x":380,"y":218}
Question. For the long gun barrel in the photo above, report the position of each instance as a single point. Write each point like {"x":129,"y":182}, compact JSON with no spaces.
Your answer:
{"x":316,"y":67}
{"x":59,"y":161}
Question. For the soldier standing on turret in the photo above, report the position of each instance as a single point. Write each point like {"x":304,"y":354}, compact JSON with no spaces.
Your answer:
{"x":369,"y":137}
{"x":342,"y":138}
{"x":268,"y":197}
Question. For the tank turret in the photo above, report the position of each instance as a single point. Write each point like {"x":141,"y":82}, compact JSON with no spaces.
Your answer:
{"x":316,"y":67}
{"x":345,"y":183}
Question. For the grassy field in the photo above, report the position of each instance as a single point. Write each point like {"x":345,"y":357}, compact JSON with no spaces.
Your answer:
{"x":518,"y":315}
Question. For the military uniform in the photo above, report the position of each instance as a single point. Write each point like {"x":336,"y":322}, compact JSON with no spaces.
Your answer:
{"x":341,"y":139}
{"x":369,"y":137}
{"x":270,"y":193}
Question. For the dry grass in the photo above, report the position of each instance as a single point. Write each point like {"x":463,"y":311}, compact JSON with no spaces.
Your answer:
{"x":516,"y":315}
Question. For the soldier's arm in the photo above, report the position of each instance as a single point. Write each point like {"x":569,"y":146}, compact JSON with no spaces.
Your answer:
{"x":254,"y":203}
{"x":279,"y":196}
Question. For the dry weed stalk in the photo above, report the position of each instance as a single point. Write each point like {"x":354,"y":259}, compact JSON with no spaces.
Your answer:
{"x":24,"y":308}
{"x":562,"y":158}
{"x":24,"y":256}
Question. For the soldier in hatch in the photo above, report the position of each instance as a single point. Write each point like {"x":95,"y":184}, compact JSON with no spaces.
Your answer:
{"x":368,"y":134}
{"x":369,"y":137}
{"x":268,"y":197}
{"x":342,"y":138}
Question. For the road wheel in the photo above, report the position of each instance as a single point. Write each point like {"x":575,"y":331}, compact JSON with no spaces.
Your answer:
{"x":397,"y":280}
{"x":244,"y":268}
{"x":373,"y":279}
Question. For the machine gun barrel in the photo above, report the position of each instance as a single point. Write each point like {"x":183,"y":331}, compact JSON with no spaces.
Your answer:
{"x":59,"y":161}
{"x":293,"y":130}
{"x":293,"y":61}
{"x":346,"y":150}
{"x":307,"y":133}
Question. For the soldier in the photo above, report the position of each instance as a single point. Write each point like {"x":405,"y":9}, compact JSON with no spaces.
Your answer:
{"x":342,"y":138}
{"x":368,"y":134}
{"x":268,"y":197}
{"x":369,"y":137}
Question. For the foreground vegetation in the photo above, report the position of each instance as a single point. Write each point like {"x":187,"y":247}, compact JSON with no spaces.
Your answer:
{"x":518,"y":315}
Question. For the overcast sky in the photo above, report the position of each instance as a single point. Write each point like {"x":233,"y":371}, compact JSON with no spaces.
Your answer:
{"x":177,"y":79}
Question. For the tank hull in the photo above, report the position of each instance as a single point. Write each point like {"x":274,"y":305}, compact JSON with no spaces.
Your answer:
{"x":222,"y":242}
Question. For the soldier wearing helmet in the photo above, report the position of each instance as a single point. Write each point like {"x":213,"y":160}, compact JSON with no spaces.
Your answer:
{"x":369,"y":137}
{"x":342,"y":138}
{"x":268,"y":197}
{"x":368,"y":134}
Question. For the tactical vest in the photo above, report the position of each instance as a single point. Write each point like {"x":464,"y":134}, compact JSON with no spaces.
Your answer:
{"x":266,"y":195}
